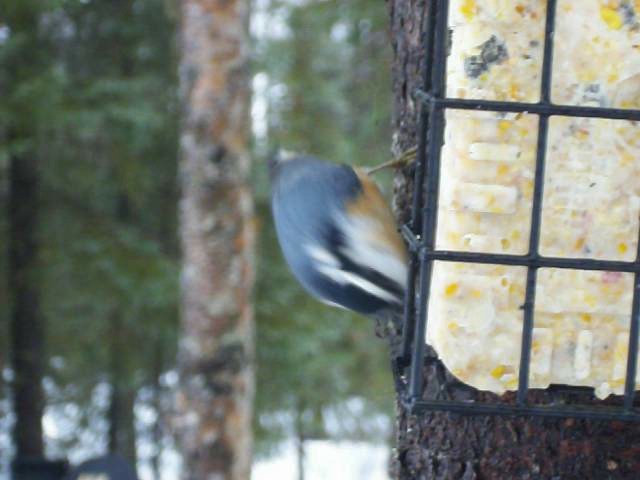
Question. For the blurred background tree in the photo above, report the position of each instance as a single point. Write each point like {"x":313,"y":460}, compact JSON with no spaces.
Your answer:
{"x":214,"y":399}
{"x":103,"y":121}
{"x":26,"y":325}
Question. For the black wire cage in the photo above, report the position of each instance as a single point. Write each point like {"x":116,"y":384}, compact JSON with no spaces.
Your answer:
{"x":420,"y":233}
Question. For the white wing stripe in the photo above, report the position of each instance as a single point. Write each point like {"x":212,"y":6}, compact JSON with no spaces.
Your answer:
{"x":343,"y":277}
{"x":322,"y":256}
{"x":361,"y":250}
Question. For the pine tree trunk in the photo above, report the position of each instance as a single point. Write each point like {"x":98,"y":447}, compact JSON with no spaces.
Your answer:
{"x":26,"y":325}
{"x":122,"y":432}
{"x":444,"y":446}
{"x":214,"y":403}
{"x":122,"y":428}
{"x":157,"y":431}
{"x":300,"y":443}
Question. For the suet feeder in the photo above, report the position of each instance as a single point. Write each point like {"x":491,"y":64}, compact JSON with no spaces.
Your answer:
{"x":420,"y":234}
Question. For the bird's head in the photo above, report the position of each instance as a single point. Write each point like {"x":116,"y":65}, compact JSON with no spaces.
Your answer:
{"x":278,"y":160}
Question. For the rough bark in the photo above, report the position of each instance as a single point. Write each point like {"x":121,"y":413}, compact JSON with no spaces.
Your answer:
{"x":214,"y":403}
{"x":445,"y":446}
{"x":26,"y":327}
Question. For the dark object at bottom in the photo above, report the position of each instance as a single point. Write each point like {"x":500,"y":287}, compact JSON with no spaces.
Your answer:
{"x":30,"y":468}
{"x":109,"y":467}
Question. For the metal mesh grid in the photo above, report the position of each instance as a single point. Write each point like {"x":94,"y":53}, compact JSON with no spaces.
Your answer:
{"x":420,"y":232}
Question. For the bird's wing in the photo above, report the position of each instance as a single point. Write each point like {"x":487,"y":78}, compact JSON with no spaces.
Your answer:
{"x":372,"y":234}
{"x":362,"y":249}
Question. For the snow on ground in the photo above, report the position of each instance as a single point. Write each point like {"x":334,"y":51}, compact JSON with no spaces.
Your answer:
{"x":327,"y":459}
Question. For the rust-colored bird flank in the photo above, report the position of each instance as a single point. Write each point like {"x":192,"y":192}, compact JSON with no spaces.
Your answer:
{"x":373,"y":206}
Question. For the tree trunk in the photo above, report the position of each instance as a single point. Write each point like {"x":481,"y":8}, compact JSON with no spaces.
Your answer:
{"x":446,"y":446}
{"x":26,"y":324}
{"x":26,"y":328}
{"x":157,"y":429}
{"x":300,"y":442}
{"x":122,"y":433}
{"x":122,"y":427}
{"x":214,"y":402}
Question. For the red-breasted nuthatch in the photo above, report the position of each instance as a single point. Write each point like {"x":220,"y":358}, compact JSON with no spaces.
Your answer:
{"x":337,"y":234}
